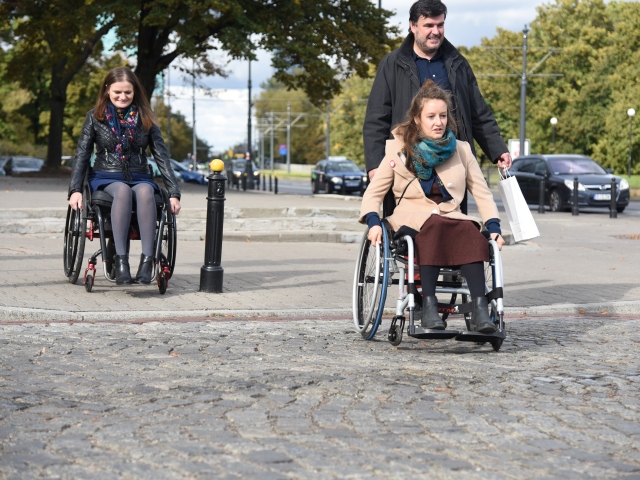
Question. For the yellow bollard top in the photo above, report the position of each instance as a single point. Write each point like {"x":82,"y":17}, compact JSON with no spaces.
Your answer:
{"x":216,"y":165}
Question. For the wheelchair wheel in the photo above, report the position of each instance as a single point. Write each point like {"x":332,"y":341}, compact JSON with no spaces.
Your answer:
{"x":88,"y":282}
{"x":168,"y":241}
{"x":75,"y":236}
{"x":370,"y":285}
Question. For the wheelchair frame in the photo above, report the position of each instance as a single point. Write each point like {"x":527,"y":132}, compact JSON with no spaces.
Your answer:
{"x":375,"y":269}
{"x":90,"y":223}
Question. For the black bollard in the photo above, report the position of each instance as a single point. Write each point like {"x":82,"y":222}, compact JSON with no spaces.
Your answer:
{"x":343,"y":187}
{"x":244,"y":182}
{"x":211,"y":272}
{"x":613,"y":206}
{"x":275,"y":189}
{"x":270,"y":184}
{"x":264,"y":183}
{"x":574,"y":208}
{"x":541,"y":196}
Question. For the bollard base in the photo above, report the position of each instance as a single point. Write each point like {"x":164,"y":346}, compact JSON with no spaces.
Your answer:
{"x":211,"y":279}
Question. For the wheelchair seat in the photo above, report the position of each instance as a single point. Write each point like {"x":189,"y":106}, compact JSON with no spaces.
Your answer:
{"x":100,"y":198}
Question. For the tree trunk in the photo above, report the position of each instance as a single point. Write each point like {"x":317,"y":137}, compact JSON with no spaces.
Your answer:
{"x":146,"y":73}
{"x":57,"y":104}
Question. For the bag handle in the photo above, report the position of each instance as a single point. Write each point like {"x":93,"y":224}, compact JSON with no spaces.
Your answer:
{"x":504,"y":173}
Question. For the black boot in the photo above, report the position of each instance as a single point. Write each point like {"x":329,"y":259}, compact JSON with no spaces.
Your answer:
{"x":145,"y":269}
{"x":430,"y":317}
{"x":480,"y":316}
{"x":123,"y":275}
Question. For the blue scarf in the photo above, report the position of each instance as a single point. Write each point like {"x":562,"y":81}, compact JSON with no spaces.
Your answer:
{"x":430,"y":153}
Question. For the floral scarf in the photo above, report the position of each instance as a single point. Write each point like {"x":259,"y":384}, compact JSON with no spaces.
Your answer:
{"x":430,"y":153}
{"x":123,"y":124}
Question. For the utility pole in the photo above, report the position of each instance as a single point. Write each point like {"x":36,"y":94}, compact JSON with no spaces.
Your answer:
{"x":249,"y":165}
{"x":523,"y":92}
{"x":288,"y":137}
{"x":169,"y":111}
{"x":328,"y":132}
{"x":193,"y":86}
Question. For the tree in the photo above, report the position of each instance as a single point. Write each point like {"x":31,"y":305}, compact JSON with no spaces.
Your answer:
{"x":327,"y":39}
{"x":57,"y":37}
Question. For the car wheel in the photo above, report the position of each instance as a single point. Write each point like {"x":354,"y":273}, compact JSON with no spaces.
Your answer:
{"x":555,"y":201}
{"x":620,"y":209}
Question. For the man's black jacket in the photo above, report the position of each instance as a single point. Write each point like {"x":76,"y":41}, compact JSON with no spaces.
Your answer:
{"x":396,"y":83}
{"x":99,"y":134}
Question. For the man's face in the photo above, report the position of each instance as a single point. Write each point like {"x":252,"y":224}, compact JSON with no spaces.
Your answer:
{"x":429,"y":34}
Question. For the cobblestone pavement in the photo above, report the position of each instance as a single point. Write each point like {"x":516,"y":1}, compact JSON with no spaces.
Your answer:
{"x":311,"y":399}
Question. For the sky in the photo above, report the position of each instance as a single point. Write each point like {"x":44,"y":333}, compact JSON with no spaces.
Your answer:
{"x":221,"y":115}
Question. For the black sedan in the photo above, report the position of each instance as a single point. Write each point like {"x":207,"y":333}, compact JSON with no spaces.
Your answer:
{"x":594,"y":187}
{"x":338,"y":174}
{"x":237,"y":172}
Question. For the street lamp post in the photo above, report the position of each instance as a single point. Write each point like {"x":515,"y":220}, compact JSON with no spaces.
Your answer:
{"x":631,"y":112}
{"x":553,"y":122}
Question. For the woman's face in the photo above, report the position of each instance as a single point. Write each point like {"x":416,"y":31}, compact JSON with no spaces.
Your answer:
{"x":432,"y":121}
{"x":121,"y":94}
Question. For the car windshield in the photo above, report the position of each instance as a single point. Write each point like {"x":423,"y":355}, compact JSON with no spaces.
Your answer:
{"x":567,"y":165}
{"x":242,"y":164}
{"x":26,"y":162}
{"x":342,"y":167}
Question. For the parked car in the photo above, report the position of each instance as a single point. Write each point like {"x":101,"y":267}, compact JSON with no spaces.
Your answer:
{"x":14,"y":165}
{"x":193,"y":176}
{"x":156,"y":170}
{"x":238,"y":167}
{"x":594,"y":187}
{"x":338,"y":174}
{"x":67,"y":162}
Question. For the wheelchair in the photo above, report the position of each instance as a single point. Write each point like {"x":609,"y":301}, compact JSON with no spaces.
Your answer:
{"x":93,"y":222}
{"x":393,"y":263}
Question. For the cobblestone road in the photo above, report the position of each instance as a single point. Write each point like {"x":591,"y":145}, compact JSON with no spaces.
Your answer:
{"x":311,"y":399}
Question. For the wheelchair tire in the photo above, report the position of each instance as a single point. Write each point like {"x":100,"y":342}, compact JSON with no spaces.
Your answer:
{"x":370,"y":285}
{"x":168,"y":242}
{"x":162,"y":283}
{"x":75,"y":236}
{"x":496,"y":344}
{"x":88,"y":284}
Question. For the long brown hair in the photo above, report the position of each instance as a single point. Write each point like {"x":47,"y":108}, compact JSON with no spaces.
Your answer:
{"x":410,"y":130}
{"x":124,"y":74}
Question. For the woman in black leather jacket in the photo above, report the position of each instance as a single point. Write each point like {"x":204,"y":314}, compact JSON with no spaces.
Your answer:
{"x":121,"y":127}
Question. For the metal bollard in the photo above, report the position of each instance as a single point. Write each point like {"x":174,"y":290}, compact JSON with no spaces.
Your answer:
{"x":244,"y":182}
{"x":270,"y":184}
{"x":211,"y":272}
{"x":574,"y":208}
{"x":343,"y":187}
{"x":275,"y":190}
{"x":543,"y":182}
{"x":264,"y":183}
{"x":613,"y":206}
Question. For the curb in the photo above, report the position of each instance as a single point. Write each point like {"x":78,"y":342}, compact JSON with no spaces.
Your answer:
{"x":14,"y":314}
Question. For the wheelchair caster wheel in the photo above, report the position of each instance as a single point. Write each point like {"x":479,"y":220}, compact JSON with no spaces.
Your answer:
{"x":88,"y":283}
{"x":395,"y":335}
{"x":162,"y":284}
{"x":496,"y":344}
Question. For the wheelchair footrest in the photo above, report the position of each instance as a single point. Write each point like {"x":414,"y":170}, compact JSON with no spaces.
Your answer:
{"x":427,"y":333}
{"x":480,"y":337}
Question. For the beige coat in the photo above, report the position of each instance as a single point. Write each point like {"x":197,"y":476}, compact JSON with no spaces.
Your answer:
{"x":458,"y":173}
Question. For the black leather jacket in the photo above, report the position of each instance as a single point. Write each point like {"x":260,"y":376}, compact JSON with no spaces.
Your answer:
{"x":396,"y":83}
{"x":98,"y":134}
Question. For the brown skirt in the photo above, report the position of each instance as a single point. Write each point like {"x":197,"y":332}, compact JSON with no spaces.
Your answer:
{"x":445,"y":242}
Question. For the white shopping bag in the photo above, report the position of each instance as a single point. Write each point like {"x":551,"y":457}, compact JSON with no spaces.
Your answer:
{"x":523,"y":227}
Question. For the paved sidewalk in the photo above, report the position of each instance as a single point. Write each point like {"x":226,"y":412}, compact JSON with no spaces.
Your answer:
{"x":579,"y":264}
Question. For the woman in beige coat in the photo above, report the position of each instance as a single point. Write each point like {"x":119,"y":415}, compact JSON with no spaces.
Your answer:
{"x":429,"y":172}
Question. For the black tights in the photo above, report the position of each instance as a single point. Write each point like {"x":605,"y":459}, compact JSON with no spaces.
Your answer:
{"x":121,"y":214}
{"x":473,"y":272}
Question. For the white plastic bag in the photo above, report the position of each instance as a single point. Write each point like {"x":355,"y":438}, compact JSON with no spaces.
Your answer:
{"x":523,"y":226}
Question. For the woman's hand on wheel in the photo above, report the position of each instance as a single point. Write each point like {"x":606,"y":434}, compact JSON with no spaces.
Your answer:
{"x":175,"y":205}
{"x":498,"y":238}
{"x":76,"y":200}
{"x":375,"y":235}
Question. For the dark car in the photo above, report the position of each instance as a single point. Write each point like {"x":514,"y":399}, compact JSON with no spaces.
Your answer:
{"x":15,"y":165}
{"x":338,"y":174}
{"x":238,"y":167}
{"x":594,"y":187}
{"x":155,"y":170}
{"x":192,"y":176}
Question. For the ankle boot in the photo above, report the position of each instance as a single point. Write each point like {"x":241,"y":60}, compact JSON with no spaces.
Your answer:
{"x":123,"y":275}
{"x":145,"y":269}
{"x":480,"y":316}
{"x":430,"y":317}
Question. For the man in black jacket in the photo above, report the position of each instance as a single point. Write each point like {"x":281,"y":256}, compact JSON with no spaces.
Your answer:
{"x":426,"y":54}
